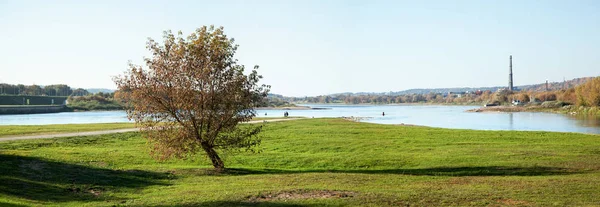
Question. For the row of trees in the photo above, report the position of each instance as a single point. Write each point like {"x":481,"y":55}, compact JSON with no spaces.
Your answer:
{"x":396,"y":99}
{"x":36,"y":90}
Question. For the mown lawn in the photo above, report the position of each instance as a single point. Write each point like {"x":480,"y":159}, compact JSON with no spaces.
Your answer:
{"x":18,"y":130}
{"x":313,"y":162}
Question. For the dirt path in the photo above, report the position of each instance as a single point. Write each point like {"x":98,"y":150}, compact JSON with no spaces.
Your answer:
{"x":79,"y":134}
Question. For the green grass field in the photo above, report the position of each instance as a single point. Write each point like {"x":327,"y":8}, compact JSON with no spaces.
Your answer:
{"x":17,"y":130}
{"x":268,"y":118}
{"x":313,"y":162}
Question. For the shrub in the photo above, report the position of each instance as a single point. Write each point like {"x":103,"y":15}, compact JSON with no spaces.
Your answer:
{"x":588,"y":94}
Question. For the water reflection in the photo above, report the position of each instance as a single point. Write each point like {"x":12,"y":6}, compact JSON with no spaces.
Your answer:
{"x":510,"y":121}
{"x":586,"y":121}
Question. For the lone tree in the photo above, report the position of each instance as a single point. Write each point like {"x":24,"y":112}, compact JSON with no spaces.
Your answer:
{"x":192,"y":95}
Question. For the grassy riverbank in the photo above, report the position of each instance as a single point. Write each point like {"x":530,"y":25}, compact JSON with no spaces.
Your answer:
{"x":18,"y":130}
{"x":572,"y":110}
{"x":270,"y":118}
{"x":313,"y":162}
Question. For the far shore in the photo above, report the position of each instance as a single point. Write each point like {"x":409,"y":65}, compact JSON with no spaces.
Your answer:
{"x":396,"y":104}
{"x":570,"y":110}
{"x":500,"y":109}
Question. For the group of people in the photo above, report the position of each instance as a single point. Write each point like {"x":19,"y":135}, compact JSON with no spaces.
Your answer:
{"x":285,"y":114}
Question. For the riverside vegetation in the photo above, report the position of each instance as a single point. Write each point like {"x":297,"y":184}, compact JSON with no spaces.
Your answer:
{"x":313,"y":162}
{"x":94,"y":102}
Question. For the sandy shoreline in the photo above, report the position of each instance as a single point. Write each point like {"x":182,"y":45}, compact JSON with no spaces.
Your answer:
{"x":500,"y":109}
{"x":361,"y":119}
{"x":291,"y":108}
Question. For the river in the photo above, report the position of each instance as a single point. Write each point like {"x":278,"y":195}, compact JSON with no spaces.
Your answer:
{"x":427,"y":115}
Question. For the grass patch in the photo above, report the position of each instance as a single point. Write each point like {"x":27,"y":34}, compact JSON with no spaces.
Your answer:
{"x":270,"y":118}
{"x":18,"y":130}
{"x":313,"y":162}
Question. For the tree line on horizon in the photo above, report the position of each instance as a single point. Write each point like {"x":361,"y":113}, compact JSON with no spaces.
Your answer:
{"x":36,"y":90}
{"x":78,"y":99}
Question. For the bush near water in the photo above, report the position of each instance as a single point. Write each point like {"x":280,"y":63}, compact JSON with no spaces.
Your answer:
{"x":94,"y":102}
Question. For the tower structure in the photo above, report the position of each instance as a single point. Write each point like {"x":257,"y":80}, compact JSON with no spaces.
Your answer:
{"x":510,"y":75}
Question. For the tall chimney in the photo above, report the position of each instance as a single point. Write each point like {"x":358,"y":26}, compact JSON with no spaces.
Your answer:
{"x":510,"y":77}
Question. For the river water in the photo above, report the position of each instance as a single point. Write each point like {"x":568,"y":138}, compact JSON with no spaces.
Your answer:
{"x":426,"y":115}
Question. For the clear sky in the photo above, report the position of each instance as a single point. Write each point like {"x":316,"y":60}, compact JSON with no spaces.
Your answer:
{"x":312,"y":47}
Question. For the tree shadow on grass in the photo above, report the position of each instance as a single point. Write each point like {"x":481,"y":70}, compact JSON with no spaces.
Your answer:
{"x":11,"y":205}
{"x":438,"y":171}
{"x":45,"y":180}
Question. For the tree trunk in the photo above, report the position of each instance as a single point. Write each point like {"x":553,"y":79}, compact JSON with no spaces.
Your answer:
{"x":214,"y":157}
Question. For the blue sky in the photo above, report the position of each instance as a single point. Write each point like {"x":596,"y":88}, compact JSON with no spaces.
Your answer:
{"x":312,"y":47}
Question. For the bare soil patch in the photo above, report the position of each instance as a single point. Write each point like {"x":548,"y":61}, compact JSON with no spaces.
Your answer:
{"x":301,"y":194}
{"x":357,"y":119}
{"x":511,"y":202}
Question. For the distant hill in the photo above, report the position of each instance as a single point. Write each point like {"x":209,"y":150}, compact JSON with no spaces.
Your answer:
{"x":534,"y":87}
{"x":98,"y":90}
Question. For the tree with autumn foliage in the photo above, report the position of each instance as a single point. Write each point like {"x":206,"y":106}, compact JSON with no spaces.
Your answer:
{"x":588,"y":94}
{"x":192,"y":95}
